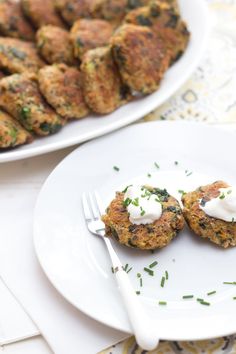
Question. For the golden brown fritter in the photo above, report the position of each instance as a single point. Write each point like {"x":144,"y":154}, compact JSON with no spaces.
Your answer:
{"x":21,"y":98}
{"x":142,"y":58}
{"x":54,"y":45}
{"x":145,"y":237}
{"x":11,"y":132}
{"x":166,"y":23}
{"x":218,"y":231}
{"x":110,"y":10}
{"x":61,"y":86}
{"x":12,"y":21}
{"x":17,"y":56}
{"x":88,"y":34}
{"x":72,"y":10}
{"x":41,"y":13}
{"x":102,"y":86}
{"x":134,"y":4}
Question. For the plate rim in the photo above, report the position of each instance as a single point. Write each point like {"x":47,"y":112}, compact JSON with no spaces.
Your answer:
{"x":18,"y":154}
{"x":41,"y":262}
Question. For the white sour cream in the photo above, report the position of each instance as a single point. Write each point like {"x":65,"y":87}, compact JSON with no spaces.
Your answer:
{"x":224,"y":206}
{"x":142,"y":206}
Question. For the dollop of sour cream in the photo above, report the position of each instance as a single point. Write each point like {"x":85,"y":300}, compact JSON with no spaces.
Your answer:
{"x":143,"y":206}
{"x":223,"y":207}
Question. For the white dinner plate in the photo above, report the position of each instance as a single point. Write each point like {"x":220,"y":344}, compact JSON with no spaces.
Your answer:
{"x":195,"y":13}
{"x":77,"y":262}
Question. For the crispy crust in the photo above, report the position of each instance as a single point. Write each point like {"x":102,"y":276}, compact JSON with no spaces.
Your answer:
{"x":110,"y":10}
{"x":72,"y":10}
{"x":41,"y":13}
{"x":88,"y":34}
{"x":166,"y":23}
{"x":21,"y":98}
{"x":62,"y":87}
{"x":54,"y":45}
{"x":102,"y":86}
{"x":218,"y":231}
{"x":12,"y":21}
{"x":12,"y":134}
{"x":17,"y":56}
{"x":142,"y":58}
{"x":145,"y":237}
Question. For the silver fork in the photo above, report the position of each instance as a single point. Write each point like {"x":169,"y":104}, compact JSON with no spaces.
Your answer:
{"x":143,"y":327}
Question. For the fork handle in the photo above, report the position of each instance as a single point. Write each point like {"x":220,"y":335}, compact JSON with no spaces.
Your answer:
{"x":143,"y":327}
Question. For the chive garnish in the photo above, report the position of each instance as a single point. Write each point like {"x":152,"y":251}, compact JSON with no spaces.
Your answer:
{"x":141,"y":282}
{"x":149,"y":175}
{"x":189,"y":174}
{"x":156,"y":164}
{"x":116,"y":168}
{"x":204,"y":303}
{"x":188,"y":296}
{"x":230,"y":282}
{"x":112,"y":269}
{"x":149,"y":271}
{"x":199,"y":300}
{"x":232,"y":220}
{"x":167,"y":275}
{"x":163,"y":279}
{"x":127,"y":202}
{"x":153,"y":264}
{"x":126,"y":188}
{"x":135,"y":202}
{"x":180,"y":191}
{"x":129,"y":269}
{"x":234,"y":298}
{"x":138,"y":292}
{"x":126,"y":267}
{"x":222,"y":196}
{"x":138,"y":275}
{"x":142,"y":212}
{"x":211,"y":293}
{"x":162,"y":303}
{"x":229,"y":192}
{"x":176,"y":162}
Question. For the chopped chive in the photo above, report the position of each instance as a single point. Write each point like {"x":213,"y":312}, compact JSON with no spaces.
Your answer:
{"x":129,"y":269}
{"x":189,"y":174}
{"x":234,"y":298}
{"x":149,"y":175}
{"x":176,"y":163}
{"x":211,"y":293}
{"x":188,"y":297}
{"x":138,"y":292}
{"x":141,"y":282}
{"x":142,"y":212}
{"x":127,"y":202}
{"x":167,"y":275}
{"x":222,"y":196}
{"x":162,"y":303}
{"x":126,"y":267}
{"x":180,"y":191}
{"x":232,"y":220}
{"x":116,"y":168}
{"x":163,"y":279}
{"x":138,"y":275}
{"x":135,"y":202}
{"x":229,"y":192}
{"x":112,"y":269}
{"x":153,"y":264}
{"x":126,"y":188}
{"x":230,"y":283}
{"x":156,"y":164}
{"x":204,"y":303}
{"x":149,"y":271}
{"x":199,"y":300}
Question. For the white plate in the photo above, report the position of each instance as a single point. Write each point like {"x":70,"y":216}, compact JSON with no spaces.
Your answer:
{"x":77,"y":263}
{"x":195,"y":13}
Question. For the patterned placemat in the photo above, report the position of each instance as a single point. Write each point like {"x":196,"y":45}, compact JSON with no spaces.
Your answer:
{"x":209,"y":96}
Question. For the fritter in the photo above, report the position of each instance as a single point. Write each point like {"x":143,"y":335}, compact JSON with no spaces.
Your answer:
{"x":17,"y":56}
{"x":102,"y":85}
{"x":11,"y":132}
{"x":54,"y":45}
{"x":145,"y":237}
{"x":21,"y":98}
{"x":2,"y":74}
{"x":166,"y":23}
{"x":110,"y":10}
{"x":218,"y":231}
{"x":72,"y":10}
{"x":61,"y":85}
{"x":41,"y":13}
{"x":142,"y":58}
{"x":89,"y":34}
{"x":134,"y":4}
{"x":12,"y":21}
